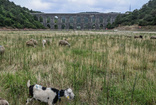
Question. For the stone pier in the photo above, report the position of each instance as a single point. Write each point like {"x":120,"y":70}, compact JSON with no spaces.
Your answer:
{"x":86,"y":20}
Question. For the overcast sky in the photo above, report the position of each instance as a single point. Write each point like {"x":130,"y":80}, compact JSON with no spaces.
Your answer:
{"x":75,"y":6}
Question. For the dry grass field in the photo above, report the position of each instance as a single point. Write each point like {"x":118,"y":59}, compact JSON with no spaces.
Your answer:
{"x":102,"y":68}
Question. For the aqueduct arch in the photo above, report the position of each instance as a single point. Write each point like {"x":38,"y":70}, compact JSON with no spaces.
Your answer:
{"x":86,"y":20}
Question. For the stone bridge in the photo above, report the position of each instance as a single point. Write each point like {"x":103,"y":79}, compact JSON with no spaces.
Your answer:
{"x":86,"y":20}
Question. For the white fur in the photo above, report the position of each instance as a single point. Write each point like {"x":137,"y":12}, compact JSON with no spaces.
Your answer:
{"x":44,"y":42}
{"x":47,"y":95}
{"x":3,"y":102}
{"x":42,"y":95}
{"x":28,"y":83}
{"x":69,"y":94}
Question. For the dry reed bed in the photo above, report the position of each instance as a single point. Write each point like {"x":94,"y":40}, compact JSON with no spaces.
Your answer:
{"x":101,"y":67}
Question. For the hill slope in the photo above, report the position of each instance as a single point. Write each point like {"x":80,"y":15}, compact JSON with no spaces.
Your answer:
{"x":12,"y":15}
{"x":143,"y":17}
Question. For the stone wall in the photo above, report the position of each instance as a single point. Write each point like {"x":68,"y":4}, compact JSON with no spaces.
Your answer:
{"x":76,"y":20}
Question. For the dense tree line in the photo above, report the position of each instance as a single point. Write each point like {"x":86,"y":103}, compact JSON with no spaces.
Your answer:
{"x":15,"y":16}
{"x":143,"y":17}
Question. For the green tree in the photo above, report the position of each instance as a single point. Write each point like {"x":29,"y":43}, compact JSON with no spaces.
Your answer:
{"x":2,"y":20}
{"x":142,"y":23}
{"x":7,"y":22}
{"x":144,"y":16}
{"x":148,"y":18}
{"x":110,"y":26}
{"x":154,"y":21}
{"x":17,"y":17}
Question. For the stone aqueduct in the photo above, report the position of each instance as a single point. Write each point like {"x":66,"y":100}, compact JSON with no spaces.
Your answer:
{"x":90,"y":20}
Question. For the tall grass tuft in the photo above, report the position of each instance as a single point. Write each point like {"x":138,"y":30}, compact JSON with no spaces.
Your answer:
{"x":102,"y":67}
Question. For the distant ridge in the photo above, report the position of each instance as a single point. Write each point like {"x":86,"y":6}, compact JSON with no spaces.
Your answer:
{"x":12,"y":15}
{"x":142,"y":17}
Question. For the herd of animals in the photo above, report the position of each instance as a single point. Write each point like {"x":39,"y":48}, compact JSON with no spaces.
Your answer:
{"x":140,"y":36}
{"x":44,"y":94}
{"x":38,"y":92}
{"x":33,"y":42}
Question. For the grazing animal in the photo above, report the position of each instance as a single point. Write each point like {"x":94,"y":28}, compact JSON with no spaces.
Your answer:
{"x":45,"y":42}
{"x":153,"y":37}
{"x":31,"y":42}
{"x":111,"y":37}
{"x":3,"y":102}
{"x":140,"y":36}
{"x":64,"y":42}
{"x":129,"y":36}
{"x":47,"y":95}
{"x":2,"y":49}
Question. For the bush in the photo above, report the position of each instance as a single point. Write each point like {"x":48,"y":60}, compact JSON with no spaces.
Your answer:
{"x":142,"y":23}
{"x":7,"y":22}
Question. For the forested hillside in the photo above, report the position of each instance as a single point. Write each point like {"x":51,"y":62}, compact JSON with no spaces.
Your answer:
{"x":143,"y":17}
{"x":14,"y":16}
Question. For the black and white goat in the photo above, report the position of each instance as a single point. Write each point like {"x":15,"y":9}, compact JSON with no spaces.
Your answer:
{"x":47,"y":95}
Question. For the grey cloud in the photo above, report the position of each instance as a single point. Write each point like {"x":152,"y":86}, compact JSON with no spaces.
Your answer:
{"x":68,"y":6}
